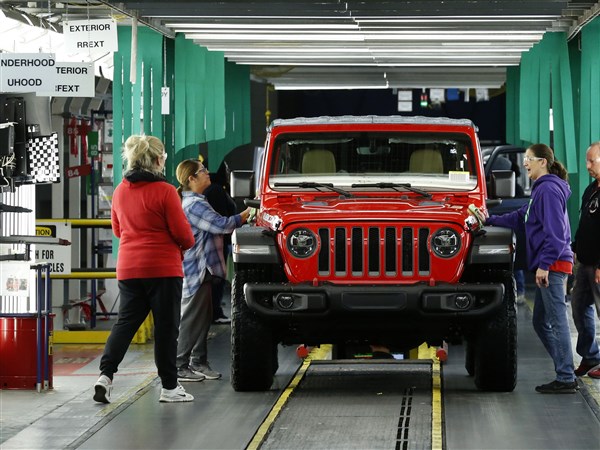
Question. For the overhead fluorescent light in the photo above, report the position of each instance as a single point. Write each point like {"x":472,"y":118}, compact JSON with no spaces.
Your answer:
{"x":180,"y":27}
{"x":308,"y":87}
{"x":455,"y":19}
{"x":272,"y":37}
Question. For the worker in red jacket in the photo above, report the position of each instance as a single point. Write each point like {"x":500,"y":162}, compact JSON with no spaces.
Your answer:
{"x":148,"y":218}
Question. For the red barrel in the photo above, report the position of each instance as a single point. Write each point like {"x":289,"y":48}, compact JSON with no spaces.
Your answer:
{"x":18,"y":347}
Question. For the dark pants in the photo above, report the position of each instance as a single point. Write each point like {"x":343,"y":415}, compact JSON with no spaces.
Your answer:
{"x":138,"y":297}
{"x":196,"y":316}
{"x":218,"y":288}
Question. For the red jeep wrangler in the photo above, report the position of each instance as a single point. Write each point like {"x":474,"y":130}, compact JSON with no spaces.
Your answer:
{"x":363,"y":236}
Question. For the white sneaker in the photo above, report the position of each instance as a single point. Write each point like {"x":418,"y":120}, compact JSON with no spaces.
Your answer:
{"x":103,"y":388}
{"x":175,"y":395}
{"x":520,"y":299}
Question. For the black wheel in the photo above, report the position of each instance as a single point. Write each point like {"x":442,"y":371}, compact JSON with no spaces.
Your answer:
{"x":495,"y":346}
{"x":253,"y":350}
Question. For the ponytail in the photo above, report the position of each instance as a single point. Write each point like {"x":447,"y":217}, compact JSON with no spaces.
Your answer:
{"x":559,"y":170}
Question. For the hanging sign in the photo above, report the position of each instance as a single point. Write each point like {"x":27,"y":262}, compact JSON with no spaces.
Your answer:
{"x":97,"y":34}
{"x":164,"y":100}
{"x":42,"y":74}
{"x":72,"y":79}
{"x":79,"y":171}
{"x":26,"y":72}
{"x":92,"y":138}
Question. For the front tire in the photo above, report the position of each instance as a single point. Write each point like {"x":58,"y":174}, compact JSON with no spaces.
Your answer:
{"x":253,"y":350}
{"x":495,"y":346}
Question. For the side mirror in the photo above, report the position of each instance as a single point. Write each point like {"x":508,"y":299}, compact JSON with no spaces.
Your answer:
{"x":242,"y":184}
{"x":502,"y":184}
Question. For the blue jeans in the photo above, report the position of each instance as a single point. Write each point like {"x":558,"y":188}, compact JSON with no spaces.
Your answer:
{"x":520,"y":280}
{"x":551,"y":324}
{"x":585,"y":293}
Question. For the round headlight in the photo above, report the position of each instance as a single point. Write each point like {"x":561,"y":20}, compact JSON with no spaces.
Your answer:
{"x":445,"y":243}
{"x":302,"y":243}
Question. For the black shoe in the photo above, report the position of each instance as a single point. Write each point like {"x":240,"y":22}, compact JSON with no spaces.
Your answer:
{"x":558,"y":387}
{"x":584,"y":368}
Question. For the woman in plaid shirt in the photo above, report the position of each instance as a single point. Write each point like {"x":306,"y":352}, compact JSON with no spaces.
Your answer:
{"x":201,"y":263}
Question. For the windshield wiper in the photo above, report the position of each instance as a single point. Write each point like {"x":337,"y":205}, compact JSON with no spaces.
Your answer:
{"x":313,"y":185}
{"x":393,"y":186}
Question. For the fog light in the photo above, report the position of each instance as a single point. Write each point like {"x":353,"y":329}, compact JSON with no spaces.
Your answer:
{"x":462,"y":301}
{"x":285,"y":301}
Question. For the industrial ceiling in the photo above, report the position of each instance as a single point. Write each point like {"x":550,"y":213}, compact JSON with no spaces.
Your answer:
{"x":333,"y":44}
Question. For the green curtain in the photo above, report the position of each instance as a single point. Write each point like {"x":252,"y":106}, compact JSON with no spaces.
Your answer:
{"x":513,"y":75}
{"x":199,"y":97}
{"x":569,"y":75}
{"x":136,"y":107}
{"x":237,"y":114}
{"x":545,"y":81}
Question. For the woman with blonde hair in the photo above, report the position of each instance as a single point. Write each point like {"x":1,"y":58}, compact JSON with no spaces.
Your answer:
{"x":147,"y":217}
{"x":201,"y":263}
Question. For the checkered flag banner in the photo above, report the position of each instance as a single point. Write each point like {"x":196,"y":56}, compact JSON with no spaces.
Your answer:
{"x":43,"y":159}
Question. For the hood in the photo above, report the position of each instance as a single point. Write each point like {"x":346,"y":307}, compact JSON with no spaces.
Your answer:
{"x":138,"y":175}
{"x":365,"y":209}
{"x":554,"y":180}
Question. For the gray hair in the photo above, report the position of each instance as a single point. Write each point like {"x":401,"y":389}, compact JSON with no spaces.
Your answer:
{"x":141,"y":152}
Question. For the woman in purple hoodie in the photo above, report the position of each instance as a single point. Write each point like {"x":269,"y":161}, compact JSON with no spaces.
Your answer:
{"x":549,"y":256}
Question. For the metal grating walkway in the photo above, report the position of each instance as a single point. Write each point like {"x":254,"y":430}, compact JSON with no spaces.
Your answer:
{"x":348,"y":405}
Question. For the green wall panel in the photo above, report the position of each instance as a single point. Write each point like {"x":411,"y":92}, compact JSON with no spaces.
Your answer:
{"x":199,"y":96}
{"x":237,"y":114}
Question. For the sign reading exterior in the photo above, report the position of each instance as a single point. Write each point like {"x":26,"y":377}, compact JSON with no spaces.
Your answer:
{"x":100,"y":34}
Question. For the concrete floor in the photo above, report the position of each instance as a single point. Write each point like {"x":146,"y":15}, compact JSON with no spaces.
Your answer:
{"x":67,"y":418}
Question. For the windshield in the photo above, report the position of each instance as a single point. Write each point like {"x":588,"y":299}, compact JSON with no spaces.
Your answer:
{"x":358,"y":160}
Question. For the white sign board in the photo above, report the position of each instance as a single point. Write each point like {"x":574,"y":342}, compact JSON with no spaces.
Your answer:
{"x":59,"y":256}
{"x":26,"y":72}
{"x":15,"y":279}
{"x":42,"y":74}
{"x":164,"y":100}
{"x":100,"y":34}
{"x":72,"y":79}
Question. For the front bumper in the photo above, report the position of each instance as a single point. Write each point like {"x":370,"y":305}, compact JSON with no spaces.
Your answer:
{"x":297,"y":301}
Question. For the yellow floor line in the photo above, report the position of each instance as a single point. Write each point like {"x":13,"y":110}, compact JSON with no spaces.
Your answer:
{"x":437,"y":438}
{"x":315,"y":354}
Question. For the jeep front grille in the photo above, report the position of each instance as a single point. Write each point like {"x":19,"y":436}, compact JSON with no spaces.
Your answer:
{"x":375,"y":251}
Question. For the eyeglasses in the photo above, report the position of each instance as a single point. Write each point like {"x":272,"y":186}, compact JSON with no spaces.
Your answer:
{"x":531,"y":158}
{"x":164,"y":156}
{"x":203,"y":170}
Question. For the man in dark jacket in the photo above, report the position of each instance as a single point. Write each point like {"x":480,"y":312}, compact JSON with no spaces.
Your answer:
{"x":586,"y":290}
